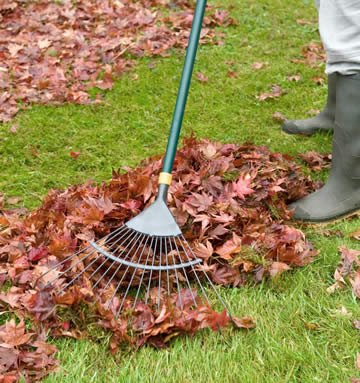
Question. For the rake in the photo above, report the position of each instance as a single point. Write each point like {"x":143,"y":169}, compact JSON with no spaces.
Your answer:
{"x":150,"y":248}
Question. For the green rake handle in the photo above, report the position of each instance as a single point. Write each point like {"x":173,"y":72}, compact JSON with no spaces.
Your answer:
{"x":165,"y":176}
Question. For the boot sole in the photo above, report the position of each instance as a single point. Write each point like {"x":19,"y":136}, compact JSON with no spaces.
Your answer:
{"x":322,"y":130}
{"x":325,"y":223}
{"x":296,"y":134}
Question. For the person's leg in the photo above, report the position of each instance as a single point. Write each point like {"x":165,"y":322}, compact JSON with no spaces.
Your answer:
{"x":340,"y":196}
{"x":324,"y":121}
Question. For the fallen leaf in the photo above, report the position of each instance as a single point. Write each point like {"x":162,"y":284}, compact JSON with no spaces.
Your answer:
{"x":317,"y":80}
{"x":201,"y":77}
{"x":259,"y":65}
{"x":279,"y":117}
{"x":232,"y":74}
{"x":294,"y":78}
{"x":74,"y":154}
{"x":13,"y":129}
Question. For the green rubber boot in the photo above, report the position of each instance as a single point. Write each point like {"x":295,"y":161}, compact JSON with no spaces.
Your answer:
{"x":340,"y":196}
{"x":324,"y":121}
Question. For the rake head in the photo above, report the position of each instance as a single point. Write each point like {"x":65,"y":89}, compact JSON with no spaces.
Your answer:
{"x":148,"y":250}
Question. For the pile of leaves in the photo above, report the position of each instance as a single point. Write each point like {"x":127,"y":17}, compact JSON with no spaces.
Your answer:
{"x":230,"y":202}
{"x":55,"y":51}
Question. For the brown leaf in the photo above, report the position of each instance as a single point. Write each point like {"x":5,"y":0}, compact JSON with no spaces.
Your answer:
{"x":294,"y":78}
{"x":14,"y":335}
{"x":13,"y":129}
{"x":356,"y":324}
{"x":277,"y":268}
{"x":279,"y":117}
{"x":232,"y":74}
{"x":356,"y":284}
{"x":358,"y":361}
{"x":303,"y":22}
{"x":276,"y":91}
{"x":259,"y":65}
{"x":244,"y":322}
{"x":317,"y":80}
{"x":14,"y":200}
{"x":201,"y":77}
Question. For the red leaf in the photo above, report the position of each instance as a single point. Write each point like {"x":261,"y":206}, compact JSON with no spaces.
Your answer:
{"x":75,"y":154}
{"x":216,"y":320}
{"x":241,"y":187}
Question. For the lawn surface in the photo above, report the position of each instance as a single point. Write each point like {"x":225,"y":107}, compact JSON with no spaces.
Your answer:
{"x":303,"y":334}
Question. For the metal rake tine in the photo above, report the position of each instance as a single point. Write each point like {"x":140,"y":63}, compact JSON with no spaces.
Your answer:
{"x":160,"y":275}
{"x":167,"y":270}
{"x":129,"y":233}
{"x":112,"y":264}
{"x":111,"y":236}
{"x":102,"y":264}
{"x":59,"y":264}
{"x":208,"y":279}
{"x":197,"y":278}
{"x":68,"y":269}
{"x":75,"y":264}
{"x":151,"y":270}
{"x":118,"y":268}
{"x":143,"y":273}
{"x":132,"y":277}
{"x":77,"y":276}
{"x":176,"y":276}
{"x":187,"y":279}
{"x":69,"y":258}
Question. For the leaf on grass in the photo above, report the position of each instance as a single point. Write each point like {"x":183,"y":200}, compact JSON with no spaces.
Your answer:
{"x":258,"y":65}
{"x":277,"y":268}
{"x":294,"y":78}
{"x":317,"y":80}
{"x":232,"y":74}
{"x":244,"y":322}
{"x":201,"y":77}
{"x":303,"y":22}
{"x":276,"y":91}
{"x":75,"y":154}
{"x":279,"y":117}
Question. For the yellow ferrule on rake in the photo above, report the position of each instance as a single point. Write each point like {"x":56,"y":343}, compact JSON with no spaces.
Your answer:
{"x":165,"y":178}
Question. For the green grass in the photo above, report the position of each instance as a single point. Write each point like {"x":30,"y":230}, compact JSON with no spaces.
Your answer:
{"x":133,"y":123}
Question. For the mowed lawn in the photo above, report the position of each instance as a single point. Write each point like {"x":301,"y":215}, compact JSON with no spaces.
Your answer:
{"x":302,"y":334}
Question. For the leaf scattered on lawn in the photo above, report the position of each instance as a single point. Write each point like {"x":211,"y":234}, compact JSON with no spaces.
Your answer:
{"x":317,"y":80}
{"x":259,"y":65}
{"x":201,"y":77}
{"x":276,"y":91}
{"x":74,"y":154}
{"x":279,"y":117}
{"x":294,"y":78}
